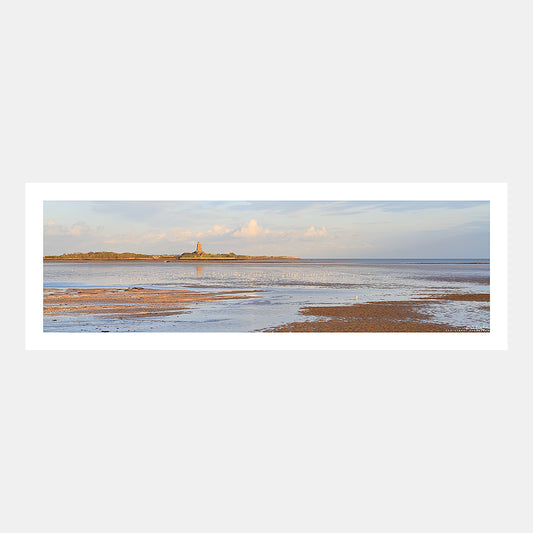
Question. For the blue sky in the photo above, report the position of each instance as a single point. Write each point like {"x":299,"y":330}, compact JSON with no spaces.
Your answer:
{"x":408,"y":229}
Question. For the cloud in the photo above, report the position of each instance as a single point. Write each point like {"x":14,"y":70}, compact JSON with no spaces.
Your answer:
{"x":153,"y":236}
{"x":215,"y":231}
{"x":250,"y":229}
{"x":79,"y":229}
{"x":181,"y":234}
{"x":180,"y":237}
{"x":316,"y":232}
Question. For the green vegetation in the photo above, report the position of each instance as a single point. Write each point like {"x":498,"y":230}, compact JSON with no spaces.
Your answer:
{"x":128,"y":256}
{"x":194,"y":255}
{"x":106,"y":256}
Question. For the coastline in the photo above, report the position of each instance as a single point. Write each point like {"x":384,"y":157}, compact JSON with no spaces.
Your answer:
{"x":253,"y":260}
{"x":187,"y":260}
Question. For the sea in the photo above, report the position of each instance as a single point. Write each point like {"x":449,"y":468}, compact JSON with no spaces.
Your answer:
{"x":284,"y":287}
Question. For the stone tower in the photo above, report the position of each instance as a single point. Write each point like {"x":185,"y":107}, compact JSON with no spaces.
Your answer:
{"x":198,"y":249}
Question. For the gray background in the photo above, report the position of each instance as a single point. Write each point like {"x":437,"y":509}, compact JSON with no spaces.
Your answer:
{"x":266,"y":441}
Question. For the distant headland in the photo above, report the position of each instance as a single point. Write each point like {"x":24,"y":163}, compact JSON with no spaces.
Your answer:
{"x":197,"y":255}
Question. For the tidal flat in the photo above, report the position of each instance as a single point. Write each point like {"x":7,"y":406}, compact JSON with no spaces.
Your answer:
{"x":311,"y":295}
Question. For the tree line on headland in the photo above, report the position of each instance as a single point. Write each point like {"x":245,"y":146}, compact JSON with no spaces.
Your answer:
{"x":127,"y":256}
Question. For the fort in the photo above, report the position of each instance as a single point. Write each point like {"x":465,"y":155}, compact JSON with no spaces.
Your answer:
{"x":199,"y":254}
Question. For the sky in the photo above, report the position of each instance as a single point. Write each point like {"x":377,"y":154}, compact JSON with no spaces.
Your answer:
{"x":399,"y":229}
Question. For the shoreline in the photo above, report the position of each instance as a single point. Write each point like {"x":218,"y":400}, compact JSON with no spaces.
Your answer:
{"x":279,"y":260}
{"x":212,"y":260}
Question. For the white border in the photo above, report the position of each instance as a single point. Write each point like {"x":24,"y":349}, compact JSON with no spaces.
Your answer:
{"x":496,"y":193}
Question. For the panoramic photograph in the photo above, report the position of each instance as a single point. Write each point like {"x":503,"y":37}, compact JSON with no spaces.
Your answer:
{"x":266,"y":266}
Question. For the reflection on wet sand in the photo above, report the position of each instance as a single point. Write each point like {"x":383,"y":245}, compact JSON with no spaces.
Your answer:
{"x":130,"y":302}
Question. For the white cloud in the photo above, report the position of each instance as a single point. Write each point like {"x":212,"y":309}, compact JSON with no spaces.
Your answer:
{"x":215,"y":231}
{"x":79,"y":229}
{"x":251,"y":229}
{"x":76,"y":230}
{"x":219,"y":230}
{"x":316,"y":232}
{"x":154,"y":237}
{"x":180,"y":234}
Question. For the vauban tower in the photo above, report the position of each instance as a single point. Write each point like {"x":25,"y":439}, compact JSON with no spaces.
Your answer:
{"x":198,"y":250}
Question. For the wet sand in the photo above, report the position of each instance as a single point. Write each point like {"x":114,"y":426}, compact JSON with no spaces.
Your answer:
{"x":481,"y":297}
{"x":482,"y":280}
{"x":135,"y":302}
{"x":378,"y":317}
{"x":130,"y":302}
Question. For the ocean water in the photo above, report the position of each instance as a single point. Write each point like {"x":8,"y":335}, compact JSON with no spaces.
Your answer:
{"x":284,"y":287}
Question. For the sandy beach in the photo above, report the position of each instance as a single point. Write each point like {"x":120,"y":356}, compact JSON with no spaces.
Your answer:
{"x":134,"y":302}
{"x":383,"y":317}
{"x":130,"y":302}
